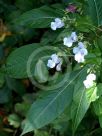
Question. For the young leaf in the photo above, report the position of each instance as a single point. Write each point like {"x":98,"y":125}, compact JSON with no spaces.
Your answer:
{"x":41,"y":72}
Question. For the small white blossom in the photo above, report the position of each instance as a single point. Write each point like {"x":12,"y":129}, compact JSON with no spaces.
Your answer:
{"x":89,"y":80}
{"x":79,"y":58}
{"x":58,"y":67}
{"x":68,"y":41}
{"x":55,"y":61}
{"x":80,"y":52}
{"x":91,"y":77}
{"x":83,"y":51}
{"x":74,"y":36}
{"x":88,"y":84}
{"x":58,"y":23}
{"x":55,"y":58}
{"x":51,"y":63}
{"x":53,"y":26}
{"x":76,"y":50}
{"x":81,"y":45}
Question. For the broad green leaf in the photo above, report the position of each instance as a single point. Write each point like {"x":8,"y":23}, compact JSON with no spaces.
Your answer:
{"x":81,"y":101}
{"x":41,"y":72}
{"x":45,"y":110}
{"x":95,"y":7}
{"x":39,"y":18}
{"x":26,"y":57}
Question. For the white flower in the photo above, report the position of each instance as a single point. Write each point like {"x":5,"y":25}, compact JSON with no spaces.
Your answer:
{"x":89,"y":80}
{"x":81,"y":45}
{"x":80,"y":52}
{"x":74,"y":36}
{"x":53,"y":26}
{"x":91,"y":77}
{"x":83,"y":51}
{"x":68,"y":41}
{"x":51,"y":63}
{"x":55,"y":58}
{"x":58,"y":23}
{"x":88,"y":84}
{"x":55,"y":61}
{"x":76,"y":50}
{"x":79,"y":57}
{"x":58,"y":67}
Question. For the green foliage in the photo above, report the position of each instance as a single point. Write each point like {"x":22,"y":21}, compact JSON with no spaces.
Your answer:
{"x":36,"y":17}
{"x":38,"y":99}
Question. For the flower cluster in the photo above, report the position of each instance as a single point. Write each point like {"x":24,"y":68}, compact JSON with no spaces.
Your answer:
{"x":89,"y":80}
{"x":55,"y":61}
{"x":58,"y":23}
{"x":80,"y":51}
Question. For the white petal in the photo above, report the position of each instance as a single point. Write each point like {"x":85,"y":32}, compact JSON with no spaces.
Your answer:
{"x":68,"y":42}
{"x":58,"y":20}
{"x":80,"y":45}
{"x":91,"y":77}
{"x":88,"y":84}
{"x":74,"y":36}
{"x":79,"y":58}
{"x":55,"y":58}
{"x":76,"y":50}
{"x":51,"y":63}
{"x":59,"y":23}
{"x":53,"y":26}
{"x":83,"y":51}
{"x":58,"y":67}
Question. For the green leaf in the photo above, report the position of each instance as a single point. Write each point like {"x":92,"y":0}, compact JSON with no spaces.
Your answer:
{"x":16,"y":86}
{"x":95,"y":7}
{"x":41,"y":72}
{"x":5,"y":95}
{"x":2,"y":79}
{"x":99,"y":89}
{"x":45,"y":110}
{"x":22,"y":108}
{"x":39,"y":18}
{"x":14,"y":120}
{"x":26,"y":57}
{"x":98,"y":109}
